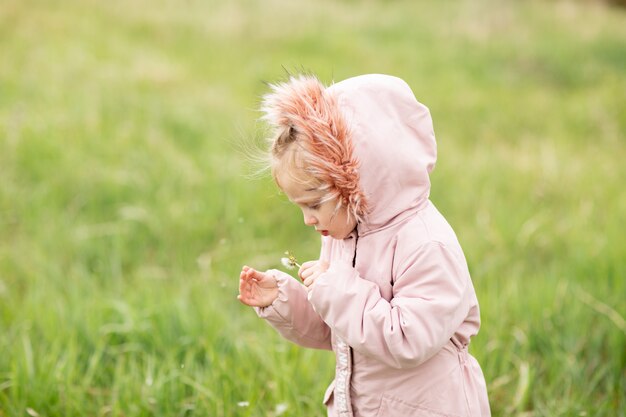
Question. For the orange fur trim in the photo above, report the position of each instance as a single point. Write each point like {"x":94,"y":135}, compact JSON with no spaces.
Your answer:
{"x":303,"y":104}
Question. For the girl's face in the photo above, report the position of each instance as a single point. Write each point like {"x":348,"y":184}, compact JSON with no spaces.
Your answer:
{"x":324,"y":216}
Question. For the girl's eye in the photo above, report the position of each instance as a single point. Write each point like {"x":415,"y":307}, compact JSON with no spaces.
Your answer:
{"x":313,"y":206}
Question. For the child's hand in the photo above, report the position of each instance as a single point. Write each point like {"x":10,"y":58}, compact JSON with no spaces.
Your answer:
{"x":309,"y":271}
{"x":256,"y":289}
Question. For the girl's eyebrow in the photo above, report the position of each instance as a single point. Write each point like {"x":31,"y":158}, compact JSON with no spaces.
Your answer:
{"x":307,"y":200}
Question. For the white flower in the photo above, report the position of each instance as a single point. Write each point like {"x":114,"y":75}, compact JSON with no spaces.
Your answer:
{"x":280,"y":409}
{"x":243,"y":404}
{"x":286,"y":263}
{"x":289,"y":262}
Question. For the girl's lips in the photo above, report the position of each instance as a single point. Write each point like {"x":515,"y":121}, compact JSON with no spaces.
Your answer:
{"x":324,"y":232}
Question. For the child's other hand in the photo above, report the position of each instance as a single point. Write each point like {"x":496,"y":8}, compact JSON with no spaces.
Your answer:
{"x":309,"y":271}
{"x":256,"y":289}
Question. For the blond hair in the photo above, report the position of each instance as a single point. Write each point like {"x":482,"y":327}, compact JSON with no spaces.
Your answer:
{"x":312,"y":138}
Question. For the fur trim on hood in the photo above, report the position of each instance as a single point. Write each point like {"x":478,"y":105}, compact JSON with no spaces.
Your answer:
{"x":370,"y":141}
{"x":303,"y":104}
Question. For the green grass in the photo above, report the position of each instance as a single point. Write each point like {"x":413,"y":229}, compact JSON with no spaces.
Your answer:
{"x":126,"y":208}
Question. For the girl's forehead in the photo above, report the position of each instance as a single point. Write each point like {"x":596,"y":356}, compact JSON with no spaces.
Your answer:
{"x":299,"y":185}
{"x":291,"y":168}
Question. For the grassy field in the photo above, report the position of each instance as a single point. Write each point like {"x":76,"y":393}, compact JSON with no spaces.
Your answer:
{"x":126,"y":207}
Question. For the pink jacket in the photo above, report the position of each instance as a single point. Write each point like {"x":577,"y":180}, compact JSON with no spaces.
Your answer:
{"x":397,"y":304}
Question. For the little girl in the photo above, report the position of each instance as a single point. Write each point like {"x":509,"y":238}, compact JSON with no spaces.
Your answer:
{"x":391,"y":294}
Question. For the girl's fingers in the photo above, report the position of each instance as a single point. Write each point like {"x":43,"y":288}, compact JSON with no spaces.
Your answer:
{"x":309,"y":282}
{"x":254,"y":274}
{"x":306,"y":269}
{"x":303,"y":274}
{"x":245,"y":273}
{"x":308,"y":264}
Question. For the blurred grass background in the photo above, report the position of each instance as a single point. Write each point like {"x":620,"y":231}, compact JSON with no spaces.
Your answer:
{"x":126,"y":209}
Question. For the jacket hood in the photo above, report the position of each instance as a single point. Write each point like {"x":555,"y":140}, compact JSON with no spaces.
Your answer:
{"x":370,"y":140}
{"x":394,"y":143}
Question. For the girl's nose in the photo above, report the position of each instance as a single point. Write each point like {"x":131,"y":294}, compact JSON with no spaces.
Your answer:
{"x":309,"y":220}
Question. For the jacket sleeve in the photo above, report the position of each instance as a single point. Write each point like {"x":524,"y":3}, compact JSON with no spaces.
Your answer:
{"x":292,"y":315}
{"x":431,"y":298}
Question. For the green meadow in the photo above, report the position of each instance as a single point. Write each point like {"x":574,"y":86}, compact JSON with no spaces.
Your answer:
{"x":129,"y":200}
